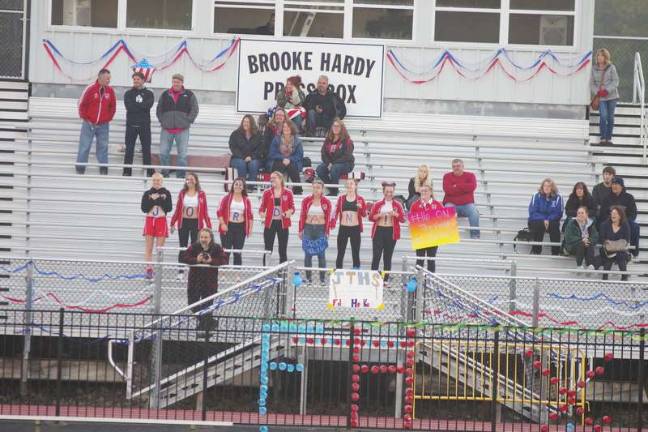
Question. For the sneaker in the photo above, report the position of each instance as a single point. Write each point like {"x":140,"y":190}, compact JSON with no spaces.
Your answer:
{"x":591,"y":267}
{"x":149,"y":272}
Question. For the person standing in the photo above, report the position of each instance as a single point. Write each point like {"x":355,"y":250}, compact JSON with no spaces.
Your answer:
{"x":246,"y":145}
{"x":314,"y":227}
{"x":277,"y":207}
{"x":425,"y":203}
{"x":156,"y":204}
{"x":386,"y":215}
{"x":459,"y":187}
{"x":545,"y":212}
{"x":337,"y":155}
{"x":349,"y":211}
{"x":176,"y":111}
{"x":138,"y":102}
{"x":97,"y":107}
{"x":235,"y":218}
{"x":605,"y":84}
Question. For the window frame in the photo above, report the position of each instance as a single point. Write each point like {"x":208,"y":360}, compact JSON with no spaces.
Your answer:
{"x":160,"y":31}
{"x":251,"y":4}
{"x":89,"y":29}
{"x":353,"y":6}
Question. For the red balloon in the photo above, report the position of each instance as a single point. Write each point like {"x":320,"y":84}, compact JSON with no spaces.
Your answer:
{"x":607,"y":419}
{"x":403,"y":344}
{"x":390,"y":344}
{"x":356,"y":358}
{"x":356,"y":341}
{"x":310,"y":341}
{"x":337,"y":342}
{"x":597,"y":428}
{"x":347,"y":342}
{"x":599,"y":371}
{"x":356,"y":368}
{"x":355,"y":423}
{"x":544,"y":428}
{"x":571,"y":393}
{"x":408,"y":425}
{"x":355,"y":377}
{"x":295,"y":339}
{"x":355,"y":387}
{"x":546,"y":372}
{"x":553,"y":416}
{"x":355,"y":407}
{"x":408,"y":409}
{"x":409,"y":362}
{"x":355,"y":396}
{"x":591,"y":374}
{"x":554,"y":380}
{"x":589,"y":421}
{"x":400,"y":369}
{"x":580,"y":411}
{"x":323,"y":341}
{"x":528,"y":353}
{"x":356,"y":350}
{"x":383,"y":369}
{"x":581,"y":384}
{"x":537,"y":364}
{"x":409,"y":381}
{"x":562,"y":390}
{"x":608,"y":357}
{"x":411,"y":344}
{"x":355,"y":416}
{"x":564,"y":408}
{"x":571,"y":401}
{"x":357,"y":331}
{"x":407,"y":418}
{"x":409,"y":392}
{"x":409,"y":399}
{"x":410,"y":354}
{"x":409,"y":372}
{"x":376,"y":343}
{"x":410,"y":332}
{"x":375,"y":369}
{"x":392,"y":369}
{"x":363,"y":342}
{"x":364,"y":369}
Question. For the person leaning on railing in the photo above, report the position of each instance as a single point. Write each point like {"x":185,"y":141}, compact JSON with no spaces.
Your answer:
{"x":203,"y":279}
{"x":545,"y":212}
{"x":615,"y":238}
{"x":581,"y":239}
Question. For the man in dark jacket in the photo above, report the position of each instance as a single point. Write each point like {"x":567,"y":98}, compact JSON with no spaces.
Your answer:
{"x":620,"y":197}
{"x":176,"y":110}
{"x":138,"y":101}
{"x":323,"y":105}
{"x":204,"y":257}
{"x":602,"y":190}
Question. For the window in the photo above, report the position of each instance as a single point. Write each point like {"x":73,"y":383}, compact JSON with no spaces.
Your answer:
{"x":314,"y":18}
{"x":159,"y":14}
{"x":251,"y":17}
{"x":16,"y":5}
{"x":87,"y":13}
{"x":467,"y":21}
{"x":384,"y":19}
{"x":542,"y":22}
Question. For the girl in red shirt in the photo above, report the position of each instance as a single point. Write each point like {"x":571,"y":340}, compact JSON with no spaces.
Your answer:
{"x":277,"y":207}
{"x":314,"y":227}
{"x":236,"y":219}
{"x":426,"y":201}
{"x":350,"y":210}
{"x":387,"y":215}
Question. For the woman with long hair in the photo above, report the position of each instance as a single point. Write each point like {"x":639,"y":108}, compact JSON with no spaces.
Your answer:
{"x":272,"y":130}
{"x":235,"y":218}
{"x":604,"y":84}
{"x":314,"y":227}
{"x":191,"y":214}
{"x":545,"y":211}
{"x":277,"y":207}
{"x":337,"y":155}
{"x":156,"y":204}
{"x":424,"y":203}
{"x":291,"y":99}
{"x":287,"y":154}
{"x":349,"y":211}
{"x":579,"y":197}
{"x":615,"y":238}
{"x":246,"y":145}
{"x":386,"y":215}
{"x":581,"y":239}
{"x":422,"y":178}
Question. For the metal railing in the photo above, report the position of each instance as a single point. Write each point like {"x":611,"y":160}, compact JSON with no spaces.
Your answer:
{"x":639,"y":96}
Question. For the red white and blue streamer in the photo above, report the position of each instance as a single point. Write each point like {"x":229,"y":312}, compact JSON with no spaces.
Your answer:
{"x":500,"y":60}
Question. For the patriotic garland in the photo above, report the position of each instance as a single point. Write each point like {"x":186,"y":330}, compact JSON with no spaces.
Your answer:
{"x":501,"y":59}
{"x":158,"y":62}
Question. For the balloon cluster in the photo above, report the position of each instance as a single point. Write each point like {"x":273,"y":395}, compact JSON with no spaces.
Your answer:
{"x":355,"y":380}
{"x":263,"y":371}
{"x":410,"y":360}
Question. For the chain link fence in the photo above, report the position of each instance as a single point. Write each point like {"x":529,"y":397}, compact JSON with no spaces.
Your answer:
{"x":11,"y":33}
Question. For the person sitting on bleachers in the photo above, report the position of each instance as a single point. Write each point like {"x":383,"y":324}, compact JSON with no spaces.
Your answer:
{"x":615,"y":238}
{"x":246,"y":146}
{"x":579,"y":197}
{"x":291,"y":99}
{"x":422,"y":178}
{"x":603,"y":190}
{"x":287,"y":154}
{"x":581,"y":238}
{"x":272,"y":130}
{"x":323,"y":106}
{"x":459,"y":187}
{"x":619,"y":197}
{"x":545,"y":211}
{"x":337,"y":155}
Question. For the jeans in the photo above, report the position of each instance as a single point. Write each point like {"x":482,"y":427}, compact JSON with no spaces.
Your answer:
{"x":247,"y":170}
{"x":144,"y":133}
{"x":314,"y":232}
{"x":346,"y":234}
{"x":537,"y":229}
{"x":88,"y":133}
{"x":471,"y":212}
{"x":276,"y":229}
{"x":333,"y":175}
{"x":383,"y":246}
{"x":606,"y":119}
{"x":234,"y":238}
{"x":166,"y":142}
{"x":316,"y":119}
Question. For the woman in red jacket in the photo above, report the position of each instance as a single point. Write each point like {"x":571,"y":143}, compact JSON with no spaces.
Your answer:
{"x":349,"y":211}
{"x":191,"y":213}
{"x":426,"y":202}
{"x":314,"y":227}
{"x":386,"y":215}
{"x":236,"y":219}
{"x":277,"y":207}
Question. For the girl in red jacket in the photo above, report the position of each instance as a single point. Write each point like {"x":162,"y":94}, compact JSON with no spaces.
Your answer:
{"x":236,"y":219}
{"x":191,"y":213}
{"x":425,"y":202}
{"x":277,"y":207}
{"x":349,"y":211}
{"x":387,"y":215}
{"x":314,"y":227}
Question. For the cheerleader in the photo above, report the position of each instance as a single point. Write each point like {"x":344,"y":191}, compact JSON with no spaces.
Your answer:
{"x":191,"y":214}
{"x":156,"y":203}
{"x":386,"y":215}
{"x":314,"y":227}
{"x":349,"y":211}
{"x":425,"y":202}
{"x":235,"y":218}
{"x":277,"y":207}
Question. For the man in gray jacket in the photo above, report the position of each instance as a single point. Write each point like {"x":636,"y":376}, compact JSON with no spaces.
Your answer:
{"x":176,"y":110}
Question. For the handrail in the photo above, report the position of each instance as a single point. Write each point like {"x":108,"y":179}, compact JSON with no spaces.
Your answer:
{"x":639,"y":92}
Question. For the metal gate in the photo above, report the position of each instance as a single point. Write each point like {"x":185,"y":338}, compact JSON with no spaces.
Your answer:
{"x":13,"y":31}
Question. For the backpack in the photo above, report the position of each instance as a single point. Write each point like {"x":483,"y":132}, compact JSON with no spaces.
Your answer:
{"x":523,"y":235}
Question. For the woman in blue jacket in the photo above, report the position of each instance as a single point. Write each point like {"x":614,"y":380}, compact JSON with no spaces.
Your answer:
{"x":287,"y":154}
{"x":545,"y":211}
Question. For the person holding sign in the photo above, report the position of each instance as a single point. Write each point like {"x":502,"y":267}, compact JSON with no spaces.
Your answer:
{"x":277,"y":207}
{"x":287,"y":154}
{"x":156,"y":203}
{"x":426,"y":204}
{"x":349,"y":210}
{"x":314,"y":227}
{"x":235,"y":218}
{"x":337,"y":155}
{"x":387,"y":215}
{"x":191,"y":213}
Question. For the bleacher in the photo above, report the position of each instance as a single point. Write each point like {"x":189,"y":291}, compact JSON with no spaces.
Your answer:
{"x":57,"y":213}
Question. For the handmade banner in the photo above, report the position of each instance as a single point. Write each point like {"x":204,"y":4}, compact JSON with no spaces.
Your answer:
{"x":355,"y":73}
{"x":433,"y":227}
{"x":357,"y":289}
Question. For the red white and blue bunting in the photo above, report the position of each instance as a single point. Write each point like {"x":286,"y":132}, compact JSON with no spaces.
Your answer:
{"x":501,"y":59}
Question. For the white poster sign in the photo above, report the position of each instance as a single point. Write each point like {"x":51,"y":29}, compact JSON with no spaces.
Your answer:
{"x":357,"y":289}
{"x":355,"y":73}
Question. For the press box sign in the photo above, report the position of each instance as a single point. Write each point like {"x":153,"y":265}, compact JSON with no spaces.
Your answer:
{"x":355,"y":73}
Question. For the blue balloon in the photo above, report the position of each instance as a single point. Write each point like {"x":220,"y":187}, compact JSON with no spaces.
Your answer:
{"x":411,"y":285}
{"x":284,"y":326}
{"x":262,"y":411}
{"x":282,"y":366}
{"x":264,"y":379}
{"x":299,"y":367}
{"x":293,"y":327}
{"x":275,"y":327}
{"x":273,"y":366}
{"x":301,"y":328}
{"x":297,"y":279}
{"x":264,"y":388}
{"x":263,"y":428}
{"x":262,"y":402}
{"x":290,"y":368}
{"x":265,"y":327}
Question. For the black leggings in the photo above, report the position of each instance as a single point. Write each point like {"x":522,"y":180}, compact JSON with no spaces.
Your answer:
{"x":383,"y":245}
{"x":234,"y":238}
{"x":620,"y":259}
{"x":430,"y":253}
{"x":344,"y":234}
{"x":537,"y":229}
{"x":268,"y":240}
{"x":188,"y":228}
